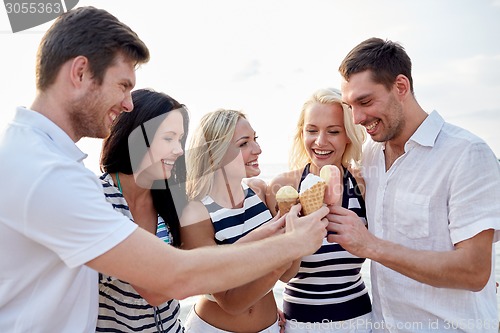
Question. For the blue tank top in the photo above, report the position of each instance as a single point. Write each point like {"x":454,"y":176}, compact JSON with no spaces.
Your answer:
{"x":329,"y":285}
{"x":230,"y":224}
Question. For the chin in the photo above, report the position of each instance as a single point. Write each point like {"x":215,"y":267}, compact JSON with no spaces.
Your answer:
{"x":319,"y":163}
{"x":253,"y":173}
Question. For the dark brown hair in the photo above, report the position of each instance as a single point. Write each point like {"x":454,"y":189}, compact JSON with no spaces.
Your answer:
{"x":384,"y":58}
{"x":90,"y":32}
{"x":150,"y":107}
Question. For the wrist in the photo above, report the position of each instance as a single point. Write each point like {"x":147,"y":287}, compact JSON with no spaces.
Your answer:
{"x":375,"y":249}
{"x":294,"y":247}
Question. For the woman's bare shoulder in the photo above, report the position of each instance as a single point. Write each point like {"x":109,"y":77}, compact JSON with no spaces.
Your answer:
{"x":291,"y":178}
{"x":259,"y":186}
{"x":256,"y":183}
{"x":194,"y":211}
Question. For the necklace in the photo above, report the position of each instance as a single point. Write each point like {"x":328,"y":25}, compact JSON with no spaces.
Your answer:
{"x":118,"y":183}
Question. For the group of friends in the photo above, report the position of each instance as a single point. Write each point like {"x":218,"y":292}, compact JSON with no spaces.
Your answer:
{"x":420,"y":200}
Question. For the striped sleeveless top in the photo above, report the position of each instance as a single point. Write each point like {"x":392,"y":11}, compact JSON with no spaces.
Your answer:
{"x":121,"y":308}
{"x":230,"y":224}
{"x":328,"y":285}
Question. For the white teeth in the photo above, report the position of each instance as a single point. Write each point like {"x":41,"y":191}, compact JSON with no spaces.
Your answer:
{"x":322,"y":152}
{"x":372,"y":125}
{"x":252,"y":163}
{"x":112,"y":116}
{"x":167,"y":162}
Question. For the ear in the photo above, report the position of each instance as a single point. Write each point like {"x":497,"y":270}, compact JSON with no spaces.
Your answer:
{"x":80,"y":71}
{"x":402,"y":85}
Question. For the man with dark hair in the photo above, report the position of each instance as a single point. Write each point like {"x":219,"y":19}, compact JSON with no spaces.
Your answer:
{"x":56,"y":228}
{"x":432,"y":201}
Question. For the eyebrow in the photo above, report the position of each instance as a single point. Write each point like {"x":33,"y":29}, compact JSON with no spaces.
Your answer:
{"x":362,"y":97}
{"x":128,"y":83}
{"x":313,"y":125}
{"x":172,"y":132}
{"x":245,"y":137}
{"x":242,"y":138}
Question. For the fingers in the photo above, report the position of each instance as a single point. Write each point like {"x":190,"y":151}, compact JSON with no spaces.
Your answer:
{"x":320,"y":213}
{"x":279,"y":225}
{"x":295,"y":210}
{"x":277,"y":216}
{"x":278,"y":219}
{"x":331,"y":238}
{"x":338,"y":210}
{"x":334,"y":227}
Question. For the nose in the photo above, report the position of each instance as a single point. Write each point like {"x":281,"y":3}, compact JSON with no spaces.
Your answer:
{"x":256,"y":150}
{"x":357,"y":116}
{"x":178,"y":151}
{"x":321,"y":139}
{"x":127,"y":103}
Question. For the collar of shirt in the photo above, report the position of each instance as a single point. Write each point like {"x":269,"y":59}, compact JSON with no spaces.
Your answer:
{"x":427,"y":133}
{"x":61,"y":140}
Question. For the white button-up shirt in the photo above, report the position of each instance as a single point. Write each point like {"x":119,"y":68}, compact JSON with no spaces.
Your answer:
{"x":444,"y":189}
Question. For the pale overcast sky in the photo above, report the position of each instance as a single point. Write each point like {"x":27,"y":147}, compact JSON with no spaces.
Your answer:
{"x":266,"y":57}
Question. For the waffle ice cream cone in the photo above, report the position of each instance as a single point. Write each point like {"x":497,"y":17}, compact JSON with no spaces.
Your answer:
{"x":312,"y":197}
{"x":286,"y":197}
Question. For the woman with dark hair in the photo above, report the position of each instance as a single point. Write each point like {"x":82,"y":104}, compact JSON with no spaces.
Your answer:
{"x":144,"y":179}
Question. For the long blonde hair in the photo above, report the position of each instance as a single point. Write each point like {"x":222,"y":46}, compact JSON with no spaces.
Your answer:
{"x":207,"y":148}
{"x":356,"y":133}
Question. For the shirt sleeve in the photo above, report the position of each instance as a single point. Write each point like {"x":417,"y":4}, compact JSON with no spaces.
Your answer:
{"x":474,"y":199}
{"x":66,"y":211}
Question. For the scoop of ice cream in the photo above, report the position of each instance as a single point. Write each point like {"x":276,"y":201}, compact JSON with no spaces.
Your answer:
{"x":286,"y":193}
{"x":312,"y":194}
{"x":309,"y":182}
{"x":286,"y":197}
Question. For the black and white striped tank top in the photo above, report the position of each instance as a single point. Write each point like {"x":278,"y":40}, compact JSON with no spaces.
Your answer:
{"x":121,"y":308}
{"x":230,"y":224}
{"x":328,"y":285}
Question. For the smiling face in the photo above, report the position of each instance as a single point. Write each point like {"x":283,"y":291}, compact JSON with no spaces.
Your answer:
{"x":164,"y":149}
{"x":374,"y":107}
{"x":92,"y":114}
{"x":324,"y":135}
{"x":244,"y":150}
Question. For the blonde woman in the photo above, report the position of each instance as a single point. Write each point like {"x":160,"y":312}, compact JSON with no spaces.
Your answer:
{"x":328,"y":289}
{"x":224,"y":210}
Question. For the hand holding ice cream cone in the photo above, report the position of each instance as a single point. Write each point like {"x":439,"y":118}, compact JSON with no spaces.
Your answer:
{"x":312,"y":193}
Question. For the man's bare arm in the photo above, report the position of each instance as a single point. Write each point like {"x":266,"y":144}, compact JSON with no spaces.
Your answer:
{"x":145,"y":261}
{"x":467,"y":266}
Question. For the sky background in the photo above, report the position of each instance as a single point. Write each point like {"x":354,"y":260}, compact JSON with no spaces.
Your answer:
{"x":266,"y":57}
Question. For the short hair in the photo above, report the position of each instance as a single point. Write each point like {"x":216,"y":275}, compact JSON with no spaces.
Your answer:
{"x":90,"y":32}
{"x":384,"y":58}
{"x":356,"y":133}
{"x":150,"y":108}
{"x":207,"y":149}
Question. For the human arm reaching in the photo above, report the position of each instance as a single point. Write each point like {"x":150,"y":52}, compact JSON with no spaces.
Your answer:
{"x":144,"y":260}
{"x":239,"y":299}
{"x":467,"y":266}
